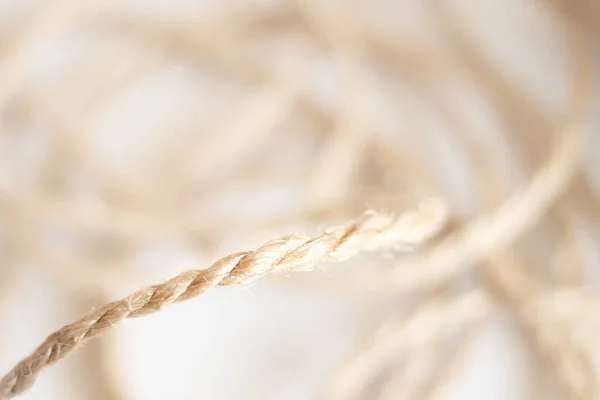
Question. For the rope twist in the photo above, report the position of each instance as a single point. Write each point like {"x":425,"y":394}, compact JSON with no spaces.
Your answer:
{"x":286,"y":254}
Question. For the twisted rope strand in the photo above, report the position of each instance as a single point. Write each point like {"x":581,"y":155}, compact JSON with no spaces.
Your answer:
{"x":289,"y":253}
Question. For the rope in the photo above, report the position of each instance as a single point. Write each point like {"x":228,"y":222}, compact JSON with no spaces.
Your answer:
{"x":286,"y":254}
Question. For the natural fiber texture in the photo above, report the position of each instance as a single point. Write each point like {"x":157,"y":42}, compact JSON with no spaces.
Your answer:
{"x":494,"y":231}
{"x":286,"y":254}
{"x":408,"y":334}
{"x":291,"y":116}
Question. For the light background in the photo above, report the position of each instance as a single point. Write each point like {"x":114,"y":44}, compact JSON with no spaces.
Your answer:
{"x":274,"y":341}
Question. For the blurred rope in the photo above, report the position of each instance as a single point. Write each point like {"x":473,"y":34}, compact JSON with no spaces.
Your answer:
{"x":360,"y":163}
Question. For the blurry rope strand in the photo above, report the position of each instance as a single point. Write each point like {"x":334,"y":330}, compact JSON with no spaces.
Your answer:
{"x":578,"y":379}
{"x":455,"y":363}
{"x":425,"y":323}
{"x":534,"y":214}
{"x":571,"y":358}
{"x":341,"y":156}
{"x":481,"y":169}
{"x":240,"y":137}
{"x":431,"y":368}
{"x":489,"y":232}
{"x":529,"y":126}
{"x":567,"y":355}
{"x":46,"y":25}
{"x":290,"y":253}
{"x":520,"y":288}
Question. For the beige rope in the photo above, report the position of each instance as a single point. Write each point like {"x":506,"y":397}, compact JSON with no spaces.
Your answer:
{"x":428,"y":322}
{"x":46,"y":25}
{"x":427,"y":372}
{"x":341,"y":155}
{"x":456,"y":253}
{"x":290,"y":253}
{"x":564,"y":195}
